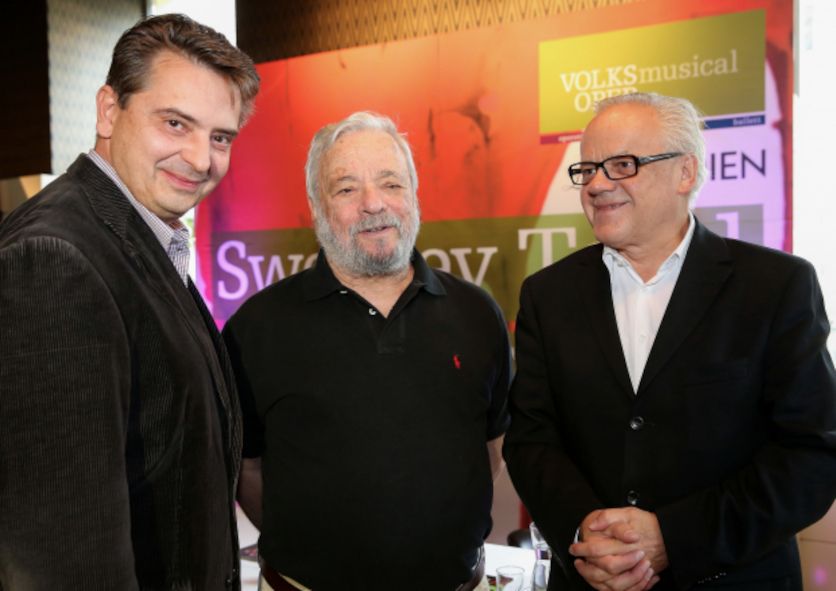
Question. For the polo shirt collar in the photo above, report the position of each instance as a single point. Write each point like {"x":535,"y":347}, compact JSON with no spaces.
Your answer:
{"x":322,"y":281}
{"x":424,"y":276}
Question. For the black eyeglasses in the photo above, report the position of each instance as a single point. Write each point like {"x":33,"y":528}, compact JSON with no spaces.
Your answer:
{"x":615,"y":168}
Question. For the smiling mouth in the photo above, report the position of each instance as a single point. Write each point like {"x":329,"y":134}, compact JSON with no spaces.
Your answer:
{"x":608,"y":206}
{"x":184,"y":182}
{"x":375,"y":229}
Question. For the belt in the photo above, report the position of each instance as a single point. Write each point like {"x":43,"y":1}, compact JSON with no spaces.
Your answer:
{"x":279,"y":583}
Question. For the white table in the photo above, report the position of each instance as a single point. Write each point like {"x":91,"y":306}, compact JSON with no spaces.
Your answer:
{"x":496,"y":556}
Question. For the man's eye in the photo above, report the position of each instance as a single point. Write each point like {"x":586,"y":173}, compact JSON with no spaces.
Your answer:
{"x":222,"y":138}
{"x":174,"y":124}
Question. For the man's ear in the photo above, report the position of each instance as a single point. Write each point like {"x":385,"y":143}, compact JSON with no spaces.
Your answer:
{"x":107,"y":110}
{"x":688,"y":174}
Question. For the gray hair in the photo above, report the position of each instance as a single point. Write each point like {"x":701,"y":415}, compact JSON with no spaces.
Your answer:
{"x":326,"y":137}
{"x":681,"y":121}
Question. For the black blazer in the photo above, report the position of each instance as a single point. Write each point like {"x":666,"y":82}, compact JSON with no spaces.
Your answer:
{"x":119,"y":427}
{"x":731,"y":437}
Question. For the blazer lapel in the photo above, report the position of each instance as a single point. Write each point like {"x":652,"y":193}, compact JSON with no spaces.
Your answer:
{"x":146,"y":254}
{"x":161,"y":275}
{"x":225,"y":382}
{"x":706,"y":268}
{"x":596,"y":296}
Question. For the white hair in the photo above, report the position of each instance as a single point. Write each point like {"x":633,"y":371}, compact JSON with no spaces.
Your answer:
{"x":681,"y":123}
{"x":326,"y":137}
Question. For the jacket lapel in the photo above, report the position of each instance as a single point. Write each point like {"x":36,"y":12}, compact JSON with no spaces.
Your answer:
{"x":705,"y":270}
{"x":162,"y":277}
{"x":596,"y":297}
{"x":224,"y":384}
{"x":148,"y":257}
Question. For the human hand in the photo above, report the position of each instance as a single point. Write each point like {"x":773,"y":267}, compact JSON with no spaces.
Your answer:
{"x":621,"y":549}
{"x":629,"y":526}
{"x":615,"y":562}
{"x":638,"y":578}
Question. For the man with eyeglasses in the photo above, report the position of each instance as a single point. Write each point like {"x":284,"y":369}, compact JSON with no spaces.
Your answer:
{"x":674,"y":409}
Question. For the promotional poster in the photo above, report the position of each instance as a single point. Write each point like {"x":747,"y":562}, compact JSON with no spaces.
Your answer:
{"x":494,"y":117}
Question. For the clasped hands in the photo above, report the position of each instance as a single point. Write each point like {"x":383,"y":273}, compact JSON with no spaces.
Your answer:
{"x":621,"y":549}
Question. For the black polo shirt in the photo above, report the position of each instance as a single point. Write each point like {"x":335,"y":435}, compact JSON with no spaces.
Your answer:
{"x":372,"y":431}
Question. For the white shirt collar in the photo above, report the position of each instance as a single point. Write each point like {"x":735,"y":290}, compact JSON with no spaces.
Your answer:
{"x":611,"y":256}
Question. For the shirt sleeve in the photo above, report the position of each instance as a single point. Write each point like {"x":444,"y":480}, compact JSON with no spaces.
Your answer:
{"x":498,"y":417}
{"x":253,"y":437}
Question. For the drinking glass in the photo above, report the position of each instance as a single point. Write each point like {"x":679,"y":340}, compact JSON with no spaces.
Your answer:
{"x":509,"y":578}
{"x":542,"y":559}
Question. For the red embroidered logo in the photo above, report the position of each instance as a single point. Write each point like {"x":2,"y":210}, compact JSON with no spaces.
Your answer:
{"x":456,"y":361}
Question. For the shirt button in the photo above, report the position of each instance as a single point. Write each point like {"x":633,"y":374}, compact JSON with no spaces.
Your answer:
{"x":636,"y":423}
{"x":343,"y":291}
{"x":632,"y":498}
{"x":372,"y":311}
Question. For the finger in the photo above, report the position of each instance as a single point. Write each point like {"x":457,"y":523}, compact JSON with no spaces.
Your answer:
{"x":653,"y":580}
{"x":634,"y":579}
{"x":592,"y":574}
{"x":591,"y":518}
{"x":615,"y":564}
{"x":604,"y":518}
{"x":598,"y":547}
{"x":624,"y":532}
{"x":600,"y":524}
{"x":642,"y":584}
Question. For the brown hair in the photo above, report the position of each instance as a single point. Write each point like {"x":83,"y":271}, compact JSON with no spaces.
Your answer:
{"x":139,"y":45}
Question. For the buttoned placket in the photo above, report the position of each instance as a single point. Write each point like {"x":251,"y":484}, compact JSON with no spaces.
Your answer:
{"x":640,"y":315}
{"x":389,"y":332}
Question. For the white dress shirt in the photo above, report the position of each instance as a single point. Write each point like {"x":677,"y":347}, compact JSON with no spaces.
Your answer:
{"x":640,"y":306}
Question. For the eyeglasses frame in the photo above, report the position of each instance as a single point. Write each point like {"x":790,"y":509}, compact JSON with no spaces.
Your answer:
{"x":640,"y":161}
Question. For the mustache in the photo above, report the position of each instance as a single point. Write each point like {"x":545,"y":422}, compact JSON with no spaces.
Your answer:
{"x":375,"y":221}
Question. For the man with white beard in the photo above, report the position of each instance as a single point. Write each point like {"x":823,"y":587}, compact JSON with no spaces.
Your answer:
{"x":373,"y":390}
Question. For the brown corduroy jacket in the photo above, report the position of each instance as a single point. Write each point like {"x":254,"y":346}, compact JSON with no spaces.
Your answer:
{"x":119,"y":426}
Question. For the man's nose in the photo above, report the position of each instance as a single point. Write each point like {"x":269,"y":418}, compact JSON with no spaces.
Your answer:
{"x":197,"y":153}
{"x":600,"y":182}
{"x":372,"y":199}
